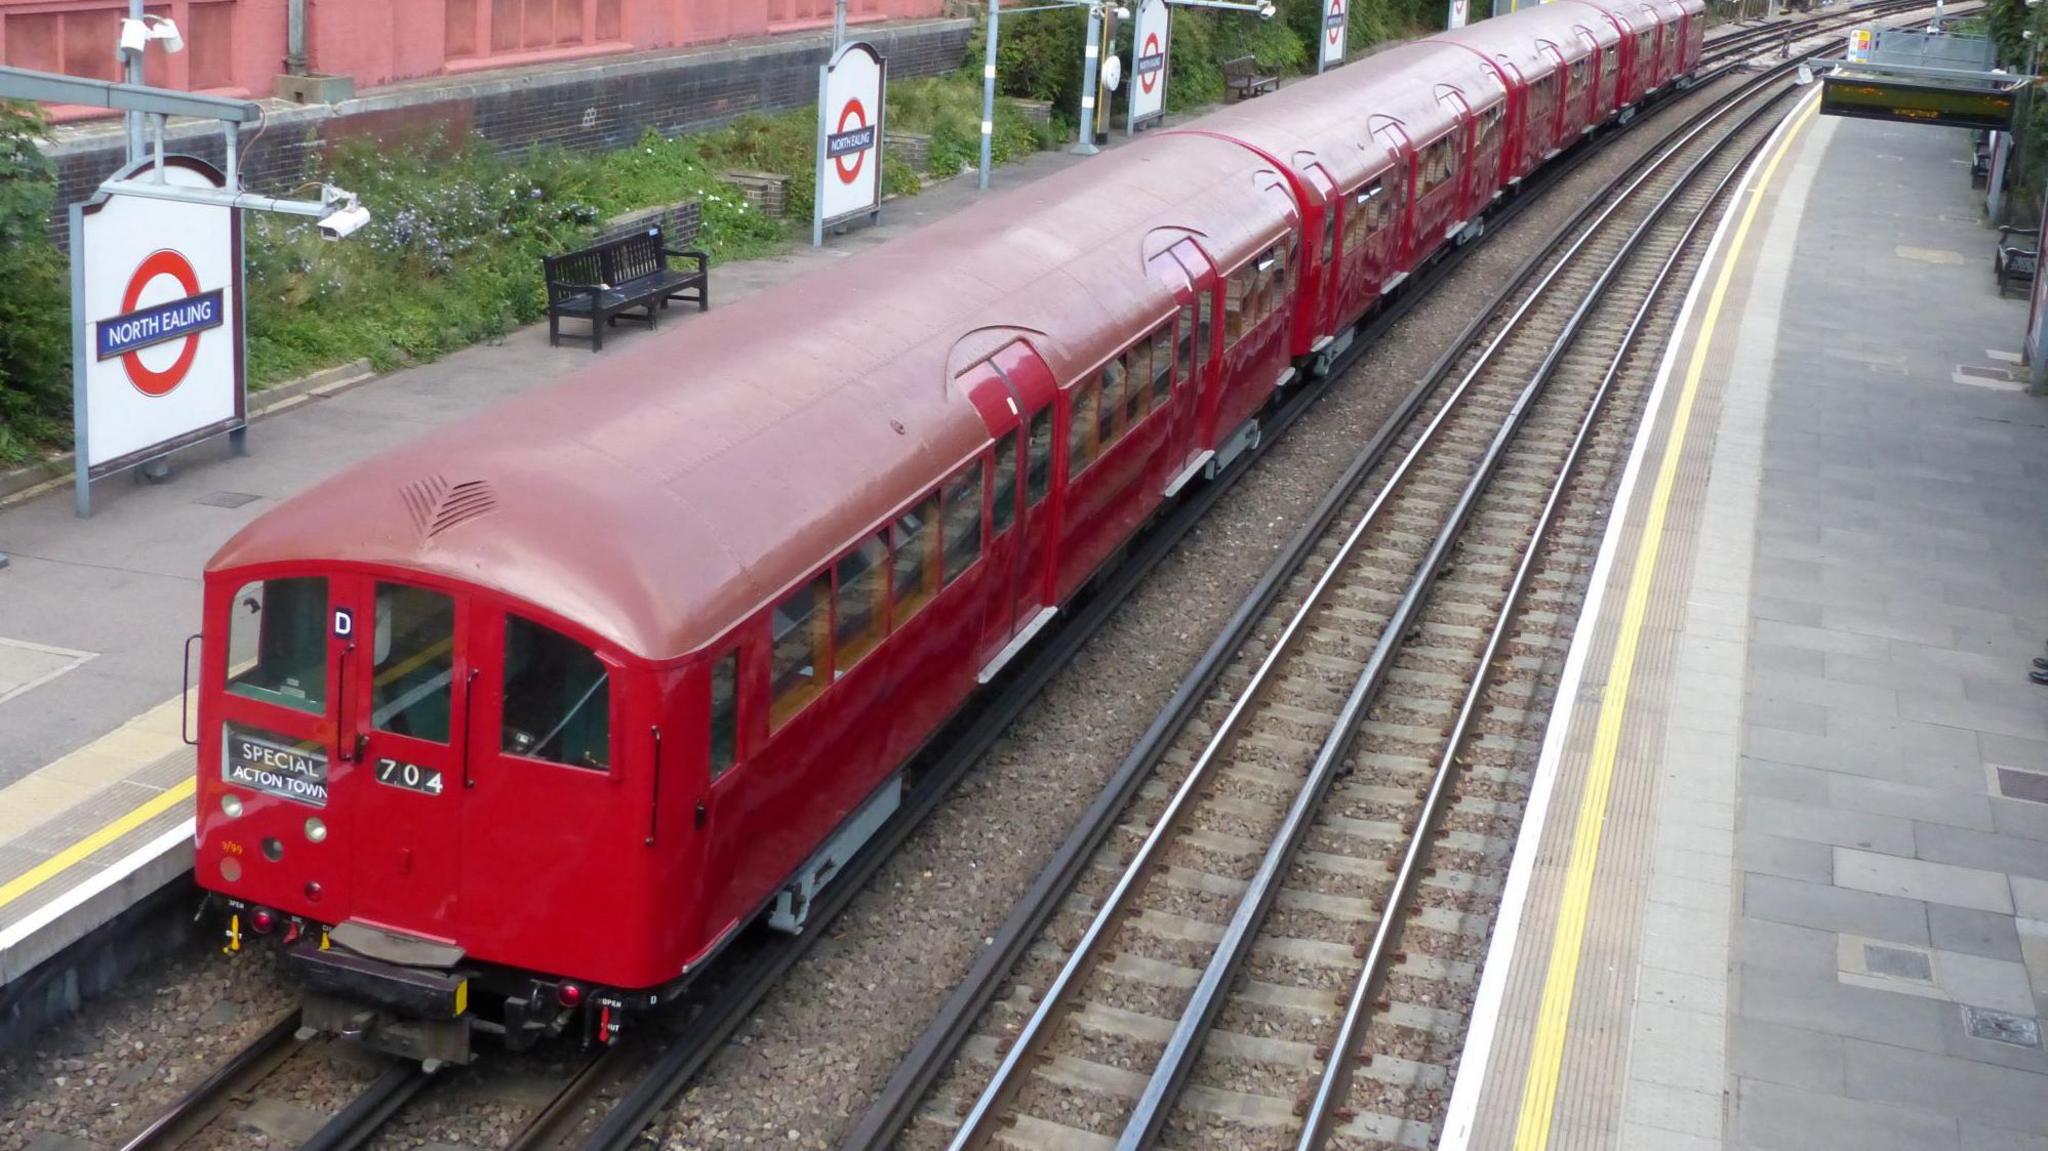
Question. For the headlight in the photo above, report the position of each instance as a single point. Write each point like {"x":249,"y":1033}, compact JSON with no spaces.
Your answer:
{"x":231,"y":805}
{"x":316,"y":831}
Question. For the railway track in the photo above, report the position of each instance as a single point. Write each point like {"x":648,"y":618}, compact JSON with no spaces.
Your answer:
{"x":1751,"y":40}
{"x":640,"y":1079}
{"x":1273,"y":944}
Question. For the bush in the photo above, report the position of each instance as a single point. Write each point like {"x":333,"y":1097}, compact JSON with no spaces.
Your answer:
{"x":35,"y":331}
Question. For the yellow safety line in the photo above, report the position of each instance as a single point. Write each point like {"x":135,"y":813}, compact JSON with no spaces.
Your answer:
{"x":1546,"y":1053}
{"x":183,"y":790}
{"x":41,"y":873}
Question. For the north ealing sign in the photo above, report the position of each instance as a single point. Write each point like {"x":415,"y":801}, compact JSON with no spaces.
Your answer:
{"x":160,"y":324}
{"x":1151,"y":62}
{"x":854,"y":138}
{"x":136,"y":328}
{"x":274,"y":766}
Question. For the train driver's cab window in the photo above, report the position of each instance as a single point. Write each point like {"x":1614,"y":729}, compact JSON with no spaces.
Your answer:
{"x":725,"y":713}
{"x":412,"y":659}
{"x":277,"y":643}
{"x":557,"y":698}
{"x":798,"y":628}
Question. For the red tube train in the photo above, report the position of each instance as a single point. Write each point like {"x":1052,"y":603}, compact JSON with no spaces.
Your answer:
{"x":548,"y":706}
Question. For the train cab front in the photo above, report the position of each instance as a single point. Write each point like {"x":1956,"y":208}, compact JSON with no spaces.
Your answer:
{"x":358,"y":734}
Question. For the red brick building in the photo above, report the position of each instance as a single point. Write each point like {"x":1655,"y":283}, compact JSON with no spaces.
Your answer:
{"x":237,"y":47}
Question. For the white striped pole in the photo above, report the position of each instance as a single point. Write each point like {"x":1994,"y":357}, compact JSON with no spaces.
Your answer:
{"x":988,"y":94}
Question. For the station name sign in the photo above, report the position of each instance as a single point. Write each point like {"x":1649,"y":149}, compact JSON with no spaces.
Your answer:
{"x":842,"y":144}
{"x":160,"y":324}
{"x":274,"y":767}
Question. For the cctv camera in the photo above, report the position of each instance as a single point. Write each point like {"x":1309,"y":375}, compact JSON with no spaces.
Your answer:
{"x":134,"y":38}
{"x":344,"y":222}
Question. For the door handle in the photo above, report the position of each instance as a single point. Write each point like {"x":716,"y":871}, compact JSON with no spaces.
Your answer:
{"x":185,"y":695}
{"x":468,"y":685}
{"x":344,"y":749}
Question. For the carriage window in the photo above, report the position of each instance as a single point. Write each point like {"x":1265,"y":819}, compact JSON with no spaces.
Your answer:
{"x":557,"y":698}
{"x":962,"y":536}
{"x":277,"y":643}
{"x":796,"y":673}
{"x":1081,"y":428}
{"x":1005,"y":508}
{"x":1111,"y":407}
{"x":1205,"y":323}
{"x":1162,"y":359}
{"x":725,"y":713}
{"x":1137,"y":370}
{"x":861,"y":609}
{"x":1184,"y":333}
{"x":916,"y":566}
{"x":1038,"y":480}
{"x":413,"y":662}
{"x":1236,"y":289}
{"x":1330,"y":232}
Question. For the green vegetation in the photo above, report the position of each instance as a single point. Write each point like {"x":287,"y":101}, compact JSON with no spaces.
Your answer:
{"x":35,"y":329}
{"x":2007,"y":22}
{"x":1039,"y":54}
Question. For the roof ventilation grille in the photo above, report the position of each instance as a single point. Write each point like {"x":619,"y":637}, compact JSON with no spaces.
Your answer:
{"x":421,"y":498}
{"x":461,"y":503}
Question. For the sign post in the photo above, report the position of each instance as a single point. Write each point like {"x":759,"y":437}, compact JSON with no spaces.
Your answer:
{"x":1151,"y":55}
{"x":156,"y":323}
{"x":1336,"y":29}
{"x":851,"y":91}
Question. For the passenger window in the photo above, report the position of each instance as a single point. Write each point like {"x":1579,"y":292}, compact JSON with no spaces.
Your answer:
{"x":800,"y":623}
{"x":916,"y":565}
{"x":1329,"y":231}
{"x":1205,"y":323}
{"x":1039,"y":480}
{"x":1005,"y":508}
{"x":725,"y":713}
{"x":860,"y":612}
{"x":962,"y":535}
{"x":413,"y":662}
{"x":1081,"y":428}
{"x":1184,"y":334}
{"x":1234,"y":305}
{"x":1111,"y":405}
{"x":557,"y":698}
{"x":1162,"y":360}
{"x":277,"y":643}
{"x":1137,"y":370}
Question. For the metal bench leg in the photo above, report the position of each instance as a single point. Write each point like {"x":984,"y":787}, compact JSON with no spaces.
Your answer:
{"x":554,"y":330}
{"x":598,"y":320}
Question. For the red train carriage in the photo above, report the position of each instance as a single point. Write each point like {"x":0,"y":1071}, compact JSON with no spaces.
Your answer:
{"x":512,"y":728}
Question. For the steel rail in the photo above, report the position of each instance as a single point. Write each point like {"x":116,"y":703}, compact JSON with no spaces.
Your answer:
{"x":1156,"y":1101}
{"x":920,"y":1068}
{"x":1336,"y":1077}
{"x":975,"y":1126}
{"x":198,"y":1106}
{"x":358,"y":1123}
{"x":547,"y":1128}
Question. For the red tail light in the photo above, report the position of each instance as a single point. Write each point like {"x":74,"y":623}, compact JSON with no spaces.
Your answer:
{"x":569,"y":995}
{"x":261,"y":920}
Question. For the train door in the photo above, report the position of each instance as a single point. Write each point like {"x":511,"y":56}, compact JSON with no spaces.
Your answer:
{"x":1014,"y":392}
{"x":543,"y":780}
{"x":404,"y":688}
{"x":1197,"y":382}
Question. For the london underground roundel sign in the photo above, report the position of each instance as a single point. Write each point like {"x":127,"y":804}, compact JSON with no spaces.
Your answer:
{"x":1150,"y":35}
{"x":851,"y":94}
{"x":850,"y":144}
{"x":1336,"y":26}
{"x":156,"y":311}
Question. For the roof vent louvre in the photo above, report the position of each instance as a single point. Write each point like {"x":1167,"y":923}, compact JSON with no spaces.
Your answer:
{"x":463,"y":502}
{"x":436,"y":505}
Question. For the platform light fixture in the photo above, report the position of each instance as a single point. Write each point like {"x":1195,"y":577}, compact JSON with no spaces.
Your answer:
{"x":138,"y":34}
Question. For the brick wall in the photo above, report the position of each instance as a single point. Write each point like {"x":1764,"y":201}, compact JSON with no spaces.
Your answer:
{"x":593,"y":105}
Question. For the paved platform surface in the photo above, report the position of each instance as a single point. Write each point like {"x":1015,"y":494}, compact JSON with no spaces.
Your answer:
{"x":95,"y":778}
{"x":1785,"y":884}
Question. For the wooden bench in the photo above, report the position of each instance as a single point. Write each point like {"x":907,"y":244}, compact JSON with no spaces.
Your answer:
{"x":607,"y":281}
{"x":2016,"y":257}
{"x":1244,"y":79}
